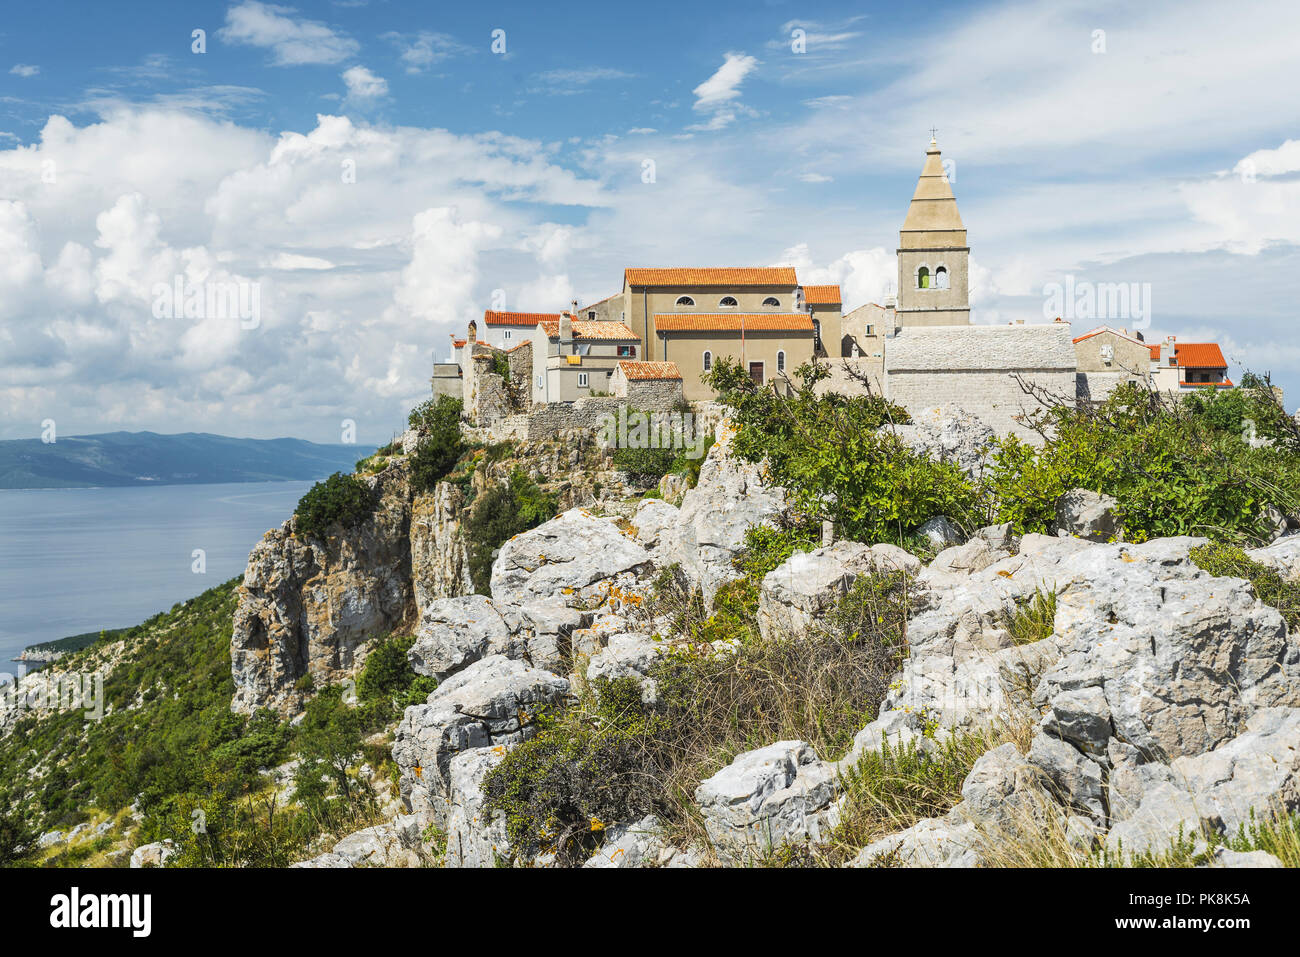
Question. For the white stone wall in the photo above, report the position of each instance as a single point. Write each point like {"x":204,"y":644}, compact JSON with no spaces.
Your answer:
{"x":995,"y":397}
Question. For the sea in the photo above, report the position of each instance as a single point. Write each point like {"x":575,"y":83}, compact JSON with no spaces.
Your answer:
{"x":80,"y":560}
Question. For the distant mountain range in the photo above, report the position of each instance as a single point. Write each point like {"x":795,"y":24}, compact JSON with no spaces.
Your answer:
{"x":146,"y":458}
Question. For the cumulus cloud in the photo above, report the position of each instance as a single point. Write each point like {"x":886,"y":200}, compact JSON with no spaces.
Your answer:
{"x":364,"y":85}
{"x":24,"y":70}
{"x":292,"y":41}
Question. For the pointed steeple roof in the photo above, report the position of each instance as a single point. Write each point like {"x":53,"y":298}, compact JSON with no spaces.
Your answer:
{"x":932,"y":219}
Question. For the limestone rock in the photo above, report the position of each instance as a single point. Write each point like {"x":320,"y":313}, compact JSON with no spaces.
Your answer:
{"x":931,"y":842}
{"x":565,"y":556}
{"x":454,"y":632}
{"x":940,"y":532}
{"x":766,"y":798}
{"x":1088,"y":515}
{"x":641,"y":844}
{"x":308,"y":607}
{"x":492,"y":702}
{"x":439,"y":563}
{"x":475,"y":838}
{"x":948,"y":433}
{"x":807,"y":585}
{"x":153,"y":855}
{"x":729,"y":498}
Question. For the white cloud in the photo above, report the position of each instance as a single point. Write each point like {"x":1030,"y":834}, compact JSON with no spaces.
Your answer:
{"x":724,"y":85}
{"x":292,"y":42}
{"x":815,"y":178}
{"x":566,"y":82}
{"x":426,"y":48}
{"x":24,"y":70}
{"x":364,"y":85}
{"x":1284,"y":159}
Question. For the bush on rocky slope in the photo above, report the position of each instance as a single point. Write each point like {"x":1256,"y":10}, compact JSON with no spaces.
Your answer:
{"x":340,"y":500}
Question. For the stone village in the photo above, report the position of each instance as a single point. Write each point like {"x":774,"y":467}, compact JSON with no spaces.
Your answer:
{"x":526,"y":374}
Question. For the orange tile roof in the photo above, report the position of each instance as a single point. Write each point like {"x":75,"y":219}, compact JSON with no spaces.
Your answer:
{"x":723,"y":276}
{"x":458,"y":342}
{"x":593,"y":329}
{"x":1225,"y":384}
{"x":732,"y":321}
{"x":517,"y":318}
{"x":1199,"y":355}
{"x":526,"y":342}
{"x":1155,"y":352}
{"x":650,"y":370}
{"x":822,"y":295}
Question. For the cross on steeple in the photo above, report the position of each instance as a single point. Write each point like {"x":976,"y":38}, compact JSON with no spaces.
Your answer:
{"x":933,"y":132}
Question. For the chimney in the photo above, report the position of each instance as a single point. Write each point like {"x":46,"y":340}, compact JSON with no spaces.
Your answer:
{"x":566,"y":329}
{"x":473,"y":334}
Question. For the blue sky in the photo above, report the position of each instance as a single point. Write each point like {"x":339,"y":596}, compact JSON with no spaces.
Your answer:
{"x":1154,"y":145}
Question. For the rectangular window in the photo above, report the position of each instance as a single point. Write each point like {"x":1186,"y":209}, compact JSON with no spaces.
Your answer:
{"x":582,"y":380}
{"x":627,"y":352}
{"x":507,"y":333}
{"x":871,"y":330}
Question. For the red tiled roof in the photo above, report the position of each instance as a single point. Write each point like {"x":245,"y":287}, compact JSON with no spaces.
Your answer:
{"x":517,"y":318}
{"x":1123,"y":335}
{"x":1225,"y":384}
{"x":589,"y":329}
{"x":458,"y":342}
{"x":650,"y":370}
{"x":526,"y":342}
{"x":722,"y":276}
{"x":1155,"y":352}
{"x":821,"y":295}
{"x":1199,"y":355}
{"x":732,"y":322}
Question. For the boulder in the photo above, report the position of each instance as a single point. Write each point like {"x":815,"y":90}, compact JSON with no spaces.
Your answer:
{"x":474,"y":837}
{"x":729,"y":498}
{"x":394,"y":843}
{"x":566,"y":556}
{"x":455,"y":632}
{"x":765,"y":798}
{"x":153,"y":855}
{"x":1073,"y":779}
{"x":793,"y":596}
{"x":948,"y":433}
{"x":492,"y":702}
{"x":641,"y":844}
{"x":941,"y":532}
{"x":627,"y":655}
{"x":931,"y":842}
{"x":1088,"y":515}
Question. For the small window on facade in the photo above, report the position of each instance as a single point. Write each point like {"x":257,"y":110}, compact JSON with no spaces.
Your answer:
{"x":627,"y":352}
{"x":582,"y":380}
{"x":780,"y":361}
{"x":923,"y":278}
{"x":871,"y":330}
{"x":539,"y":382}
{"x":771,"y":301}
{"x":507,"y":333}
{"x":708,"y":360}
{"x":685,"y":301}
{"x":727,"y":302}
{"x":592,"y":315}
{"x":941,"y":278}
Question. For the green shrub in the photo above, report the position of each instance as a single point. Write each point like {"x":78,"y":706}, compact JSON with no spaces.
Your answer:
{"x":825,"y":450}
{"x":339,"y":500}
{"x":441,"y":444}
{"x":1173,"y":468}
{"x":387,"y":681}
{"x":499,"y":513}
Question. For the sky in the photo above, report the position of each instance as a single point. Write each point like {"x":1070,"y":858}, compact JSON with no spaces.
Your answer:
{"x":363,"y":177}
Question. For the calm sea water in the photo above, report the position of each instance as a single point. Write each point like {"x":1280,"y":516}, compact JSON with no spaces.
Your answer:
{"x":78,"y":560}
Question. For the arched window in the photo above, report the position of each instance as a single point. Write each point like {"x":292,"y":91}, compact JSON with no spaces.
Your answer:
{"x":727,"y":301}
{"x":923,"y":278}
{"x":780,"y":361}
{"x":685,"y":301}
{"x":941,"y":277}
{"x":771,"y":301}
{"x":708,"y":360}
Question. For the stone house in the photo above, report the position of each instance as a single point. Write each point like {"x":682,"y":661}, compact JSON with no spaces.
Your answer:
{"x":979,"y":368}
{"x":575,"y":358}
{"x":648,"y":385}
{"x":1107,"y":357}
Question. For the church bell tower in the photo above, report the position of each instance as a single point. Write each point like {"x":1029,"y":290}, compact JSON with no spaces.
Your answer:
{"x":933,"y":273}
